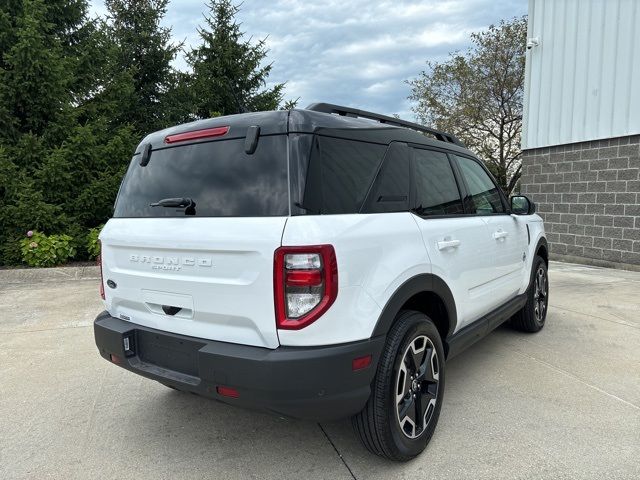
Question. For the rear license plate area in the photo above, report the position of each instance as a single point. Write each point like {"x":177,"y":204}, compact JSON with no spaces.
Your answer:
{"x":171,"y":353}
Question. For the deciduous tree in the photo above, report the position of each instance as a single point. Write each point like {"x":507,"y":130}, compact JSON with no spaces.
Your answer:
{"x":477,"y":95}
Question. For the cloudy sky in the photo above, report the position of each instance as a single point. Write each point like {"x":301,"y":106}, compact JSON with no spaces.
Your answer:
{"x":351,"y":52}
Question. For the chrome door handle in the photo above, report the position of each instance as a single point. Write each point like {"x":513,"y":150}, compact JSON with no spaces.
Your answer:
{"x":500,"y":234}
{"x":448,"y":244}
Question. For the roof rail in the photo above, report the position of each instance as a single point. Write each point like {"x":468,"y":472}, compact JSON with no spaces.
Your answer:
{"x":355,"y":113}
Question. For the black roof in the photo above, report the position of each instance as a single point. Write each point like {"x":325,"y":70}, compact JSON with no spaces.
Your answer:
{"x":356,"y":126}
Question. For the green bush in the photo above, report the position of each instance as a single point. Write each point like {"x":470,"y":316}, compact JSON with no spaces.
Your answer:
{"x":78,"y":234}
{"x":40,"y":250}
{"x":93,"y":245}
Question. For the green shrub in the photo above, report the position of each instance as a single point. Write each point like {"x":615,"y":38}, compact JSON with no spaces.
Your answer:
{"x":78,"y":234}
{"x":40,"y":250}
{"x":93,"y":245}
{"x":10,"y":253}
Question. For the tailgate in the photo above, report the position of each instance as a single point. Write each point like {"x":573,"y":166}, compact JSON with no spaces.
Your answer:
{"x":208,"y":278}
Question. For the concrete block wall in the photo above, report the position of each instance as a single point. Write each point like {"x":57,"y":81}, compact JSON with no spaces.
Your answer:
{"x":589,"y":196}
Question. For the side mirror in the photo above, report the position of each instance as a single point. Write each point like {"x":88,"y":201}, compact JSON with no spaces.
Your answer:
{"x":521,"y":205}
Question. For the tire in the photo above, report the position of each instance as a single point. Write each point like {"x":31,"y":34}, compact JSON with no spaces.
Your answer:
{"x":383,"y":426}
{"x":534,"y":313}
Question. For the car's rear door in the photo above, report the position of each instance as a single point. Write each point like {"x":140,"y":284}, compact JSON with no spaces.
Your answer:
{"x":206,"y":270}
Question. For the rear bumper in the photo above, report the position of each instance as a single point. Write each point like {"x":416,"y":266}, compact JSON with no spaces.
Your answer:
{"x":316,"y":383}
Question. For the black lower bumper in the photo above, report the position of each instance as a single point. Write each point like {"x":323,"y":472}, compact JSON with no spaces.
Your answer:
{"x":316,"y":383}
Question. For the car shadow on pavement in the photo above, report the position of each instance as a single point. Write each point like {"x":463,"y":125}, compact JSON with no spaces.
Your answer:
{"x":213,"y":433}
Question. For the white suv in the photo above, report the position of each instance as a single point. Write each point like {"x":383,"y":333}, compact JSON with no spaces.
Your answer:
{"x":318,"y":263}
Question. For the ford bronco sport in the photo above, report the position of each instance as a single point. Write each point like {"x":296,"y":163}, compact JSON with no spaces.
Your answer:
{"x":319,"y":263}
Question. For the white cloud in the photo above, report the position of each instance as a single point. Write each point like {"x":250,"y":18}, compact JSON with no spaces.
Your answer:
{"x":352,"y":52}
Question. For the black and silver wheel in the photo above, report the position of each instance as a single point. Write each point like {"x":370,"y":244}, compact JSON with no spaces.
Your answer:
{"x":417,"y":386}
{"x":402,"y":412}
{"x":540,"y":293}
{"x":533,"y":315}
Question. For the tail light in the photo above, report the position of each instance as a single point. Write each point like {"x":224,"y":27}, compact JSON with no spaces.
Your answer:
{"x":305,"y":284}
{"x":99,"y":260}
{"x":227,"y":391}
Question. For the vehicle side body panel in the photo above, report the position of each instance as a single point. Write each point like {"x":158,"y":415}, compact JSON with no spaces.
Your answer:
{"x":376,"y":254}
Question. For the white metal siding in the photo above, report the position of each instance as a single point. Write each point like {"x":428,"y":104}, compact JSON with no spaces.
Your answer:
{"x":583,"y":81}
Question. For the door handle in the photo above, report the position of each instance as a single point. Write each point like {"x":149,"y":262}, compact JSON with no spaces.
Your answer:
{"x":442,"y":244}
{"x":500,"y":234}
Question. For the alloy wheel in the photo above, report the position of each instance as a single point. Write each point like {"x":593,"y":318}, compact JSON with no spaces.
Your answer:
{"x":416,"y":390}
{"x":540,"y":294}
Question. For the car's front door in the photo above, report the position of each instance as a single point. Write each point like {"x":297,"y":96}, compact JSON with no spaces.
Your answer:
{"x":507,"y":233}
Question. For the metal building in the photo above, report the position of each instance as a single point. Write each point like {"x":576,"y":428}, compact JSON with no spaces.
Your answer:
{"x":581,"y":132}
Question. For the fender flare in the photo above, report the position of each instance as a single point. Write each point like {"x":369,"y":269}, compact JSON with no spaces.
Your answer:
{"x":425,"y":282}
{"x":542,"y":242}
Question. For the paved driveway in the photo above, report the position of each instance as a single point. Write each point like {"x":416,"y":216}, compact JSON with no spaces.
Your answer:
{"x":564,"y":403}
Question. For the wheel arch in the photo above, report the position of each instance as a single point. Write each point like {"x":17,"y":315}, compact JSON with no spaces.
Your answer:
{"x":426,"y":293}
{"x":542,"y":249}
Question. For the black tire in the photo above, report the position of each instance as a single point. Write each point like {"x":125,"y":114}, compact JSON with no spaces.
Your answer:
{"x":378,"y":425}
{"x":533,"y":315}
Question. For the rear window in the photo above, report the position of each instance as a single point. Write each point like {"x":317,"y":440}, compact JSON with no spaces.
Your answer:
{"x":219,"y":177}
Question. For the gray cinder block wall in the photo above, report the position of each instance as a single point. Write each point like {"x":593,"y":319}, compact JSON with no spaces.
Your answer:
{"x":588,"y":194}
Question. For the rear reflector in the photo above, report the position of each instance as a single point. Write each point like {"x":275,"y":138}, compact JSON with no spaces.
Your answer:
{"x":361,"y":362}
{"x":99,"y":260}
{"x":196,"y":134}
{"x":116,"y":359}
{"x":227,"y":391}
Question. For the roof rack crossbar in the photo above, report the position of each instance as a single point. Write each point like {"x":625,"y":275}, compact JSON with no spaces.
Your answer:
{"x":355,"y":113}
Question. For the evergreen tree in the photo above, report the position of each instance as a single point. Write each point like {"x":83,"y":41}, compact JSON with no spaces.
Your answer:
{"x":76,"y":96}
{"x":61,"y":156}
{"x":34,"y":76}
{"x":143,"y":51}
{"x":228,"y":71}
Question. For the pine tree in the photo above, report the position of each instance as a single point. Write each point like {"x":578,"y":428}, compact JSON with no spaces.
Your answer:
{"x":34,"y":77}
{"x":228,"y":71}
{"x":143,"y":51}
{"x":76,"y":96}
{"x":61,"y":155}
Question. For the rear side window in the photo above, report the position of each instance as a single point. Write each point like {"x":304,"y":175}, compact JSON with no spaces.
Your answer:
{"x":219,"y":177}
{"x":484,"y":194}
{"x":339,"y":174}
{"x":390,"y":191}
{"x":436,"y":188}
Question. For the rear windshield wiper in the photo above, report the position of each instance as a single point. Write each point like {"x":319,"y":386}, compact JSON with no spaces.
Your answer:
{"x":174,"y":203}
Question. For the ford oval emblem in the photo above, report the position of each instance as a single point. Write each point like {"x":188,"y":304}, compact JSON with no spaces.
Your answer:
{"x":111,"y":284}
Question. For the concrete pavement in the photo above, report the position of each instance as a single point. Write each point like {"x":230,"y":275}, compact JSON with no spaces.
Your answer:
{"x":564,"y":403}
